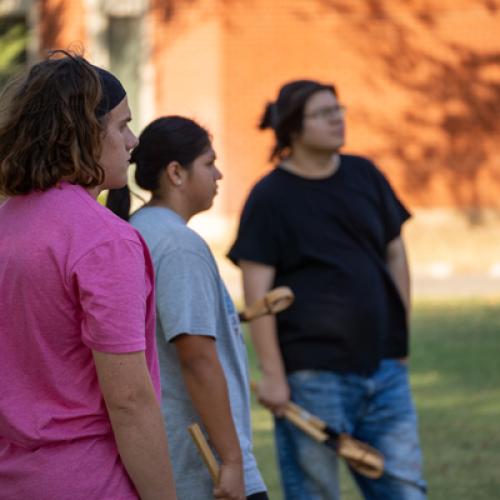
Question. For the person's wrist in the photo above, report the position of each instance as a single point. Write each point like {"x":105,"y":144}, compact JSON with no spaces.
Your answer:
{"x":232,"y":461}
{"x":273,"y":372}
{"x":274,"y":379}
{"x":231,"y":456}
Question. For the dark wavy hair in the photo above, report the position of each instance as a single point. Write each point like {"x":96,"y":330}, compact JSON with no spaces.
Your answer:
{"x":49,"y":129}
{"x":286,"y":115}
{"x":166,"y":139}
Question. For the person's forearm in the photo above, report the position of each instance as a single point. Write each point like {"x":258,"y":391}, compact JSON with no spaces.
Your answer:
{"x":257,"y":281}
{"x":142,"y":444}
{"x":265,"y":340}
{"x":398,"y":268}
{"x":207,"y":387}
{"x":272,"y":390}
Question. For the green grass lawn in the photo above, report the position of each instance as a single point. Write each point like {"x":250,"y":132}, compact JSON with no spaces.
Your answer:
{"x":455,"y":373}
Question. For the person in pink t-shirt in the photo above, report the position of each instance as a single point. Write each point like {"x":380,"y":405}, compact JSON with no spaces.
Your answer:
{"x":79,"y":378}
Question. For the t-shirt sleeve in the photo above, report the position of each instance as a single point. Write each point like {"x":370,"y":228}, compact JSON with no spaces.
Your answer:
{"x":257,"y":238}
{"x":394,"y":213}
{"x":186,"y":295}
{"x":112,"y":285}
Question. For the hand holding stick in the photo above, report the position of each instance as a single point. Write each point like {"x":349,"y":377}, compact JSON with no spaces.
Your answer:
{"x":362,"y":457}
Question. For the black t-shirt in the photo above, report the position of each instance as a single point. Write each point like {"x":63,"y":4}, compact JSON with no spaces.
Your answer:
{"x":327,"y":239}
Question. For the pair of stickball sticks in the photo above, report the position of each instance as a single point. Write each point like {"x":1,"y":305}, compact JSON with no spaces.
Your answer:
{"x":361,"y":457}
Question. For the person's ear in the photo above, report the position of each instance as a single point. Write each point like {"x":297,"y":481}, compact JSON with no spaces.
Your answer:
{"x":175,"y":173}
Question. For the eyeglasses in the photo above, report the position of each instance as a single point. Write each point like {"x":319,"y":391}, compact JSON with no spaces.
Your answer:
{"x":327,"y":112}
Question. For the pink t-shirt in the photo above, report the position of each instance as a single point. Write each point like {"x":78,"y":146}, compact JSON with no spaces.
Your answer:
{"x":73,"y":278}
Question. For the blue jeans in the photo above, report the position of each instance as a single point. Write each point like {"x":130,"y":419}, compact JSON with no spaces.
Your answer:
{"x":377,"y":410}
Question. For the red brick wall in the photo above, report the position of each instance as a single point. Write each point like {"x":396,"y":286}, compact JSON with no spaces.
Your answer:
{"x":420,"y":78}
{"x":61,"y":25}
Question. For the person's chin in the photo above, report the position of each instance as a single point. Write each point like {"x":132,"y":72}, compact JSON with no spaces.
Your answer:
{"x":338,"y":143}
{"x":124,"y":177}
{"x":117,"y":183}
{"x":209,"y":204}
{"x":330,"y":149}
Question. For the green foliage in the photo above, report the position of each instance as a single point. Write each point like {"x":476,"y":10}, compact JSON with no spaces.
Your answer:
{"x":455,"y":375}
{"x":13,"y":45}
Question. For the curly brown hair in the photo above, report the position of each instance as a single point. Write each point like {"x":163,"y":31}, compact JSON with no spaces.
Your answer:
{"x":49,"y":130}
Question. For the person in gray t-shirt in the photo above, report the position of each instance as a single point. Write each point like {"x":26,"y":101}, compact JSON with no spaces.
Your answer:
{"x":200,"y":344}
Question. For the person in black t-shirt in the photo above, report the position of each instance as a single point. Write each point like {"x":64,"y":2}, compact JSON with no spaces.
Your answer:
{"x":328,"y":225}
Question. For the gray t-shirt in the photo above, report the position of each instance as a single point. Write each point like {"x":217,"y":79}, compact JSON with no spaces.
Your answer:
{"x":191,"y":298}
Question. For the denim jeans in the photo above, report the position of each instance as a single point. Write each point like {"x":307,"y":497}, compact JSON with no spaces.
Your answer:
{"x":377,"y":410}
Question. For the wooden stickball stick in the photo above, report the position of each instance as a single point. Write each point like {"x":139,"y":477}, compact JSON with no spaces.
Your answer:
{"x":205,"y":451}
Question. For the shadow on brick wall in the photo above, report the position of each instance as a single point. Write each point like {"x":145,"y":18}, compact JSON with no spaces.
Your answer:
{"x":442,"y":144}
{"x":452,"y":126}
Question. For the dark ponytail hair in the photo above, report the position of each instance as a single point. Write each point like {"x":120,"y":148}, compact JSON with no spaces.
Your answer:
{"x":286,"y":115}
{"x":167,"y":139}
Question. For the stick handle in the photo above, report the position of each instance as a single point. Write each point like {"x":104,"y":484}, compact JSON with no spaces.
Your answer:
{"x":205,"y":451}
{"x":274,"y":301}
{"x":309,"y":417}
{"x":295,"y":414}
{"x":312,"y":431}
